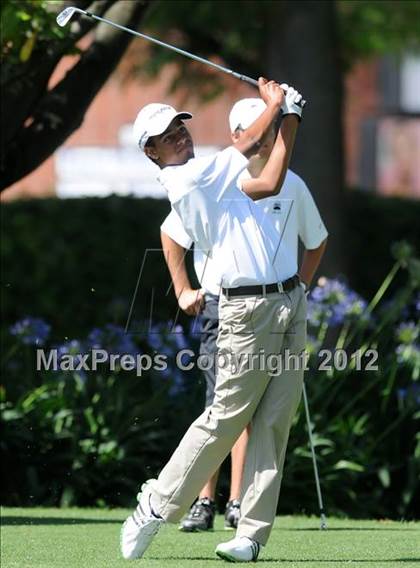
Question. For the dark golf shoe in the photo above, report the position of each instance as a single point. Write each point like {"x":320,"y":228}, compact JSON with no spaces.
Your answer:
{"x":232,"y":514}
{"x":200,"y":517}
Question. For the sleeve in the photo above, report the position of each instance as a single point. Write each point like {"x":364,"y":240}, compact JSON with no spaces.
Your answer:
{"x":222,"y":172}
{"x":173,"y":227}
{"x":311,"y":228}
{"x":212,"y":175}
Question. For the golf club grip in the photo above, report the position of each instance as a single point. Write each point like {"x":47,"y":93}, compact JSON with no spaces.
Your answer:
{"x":255,"y":84}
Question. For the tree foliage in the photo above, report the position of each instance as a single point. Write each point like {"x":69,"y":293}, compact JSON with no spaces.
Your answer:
{"x":377,"y":27}
{"x":25,"y":25}
{"x":38,"y":117}
{"x":364,"y":28}
{"x":231,"y":31}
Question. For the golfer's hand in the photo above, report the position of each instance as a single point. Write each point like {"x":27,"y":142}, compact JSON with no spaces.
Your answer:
{"x":293,"y":103}
{"x":191,"y":301}
{"x":271,"y":92}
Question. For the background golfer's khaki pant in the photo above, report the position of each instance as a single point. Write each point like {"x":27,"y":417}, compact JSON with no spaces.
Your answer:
{"x":245,"y":392}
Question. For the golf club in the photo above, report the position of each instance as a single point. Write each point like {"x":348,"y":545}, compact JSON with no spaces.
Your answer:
{"x":65,"y":16}
{"x":323,"y":517}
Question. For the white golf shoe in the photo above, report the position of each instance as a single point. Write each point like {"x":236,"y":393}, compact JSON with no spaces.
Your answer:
{"x":239,"y":549}
{"x":140,"y":527}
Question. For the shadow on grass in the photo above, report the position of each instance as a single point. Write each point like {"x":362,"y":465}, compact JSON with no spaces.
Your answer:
{"x":343,"y":560}
{"x":28,"y":520}
{"x":365,"y":529}
{"x":317,"y":529}
{"x":7,"y":521}
{"x":291,"y":560}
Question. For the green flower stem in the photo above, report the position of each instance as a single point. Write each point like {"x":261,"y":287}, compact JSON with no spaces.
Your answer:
{"x":11,"y":352}
{"x":375,"y":300}
{"x":383,"y":287}
{"x":323,"y":328}
{"x":326,"y":400}
{"x":79,"y":384}
{"x":388,"y":389}
{"x":388,"y":430}
{"x":343,"y":334}
{"x":416,"y":371}
{"x":390,"y":315}
{"x":357,"y":397}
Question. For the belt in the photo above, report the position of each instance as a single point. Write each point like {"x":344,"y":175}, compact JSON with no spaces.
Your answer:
{"x":263,"y":289}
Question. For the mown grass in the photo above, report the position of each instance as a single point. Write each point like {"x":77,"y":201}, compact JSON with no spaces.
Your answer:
{"x":73,"y":538}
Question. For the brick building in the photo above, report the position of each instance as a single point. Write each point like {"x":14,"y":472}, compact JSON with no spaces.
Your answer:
{"x":381,"y":128}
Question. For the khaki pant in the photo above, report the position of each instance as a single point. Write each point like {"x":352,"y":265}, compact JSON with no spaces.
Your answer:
{"x":245,"y":392}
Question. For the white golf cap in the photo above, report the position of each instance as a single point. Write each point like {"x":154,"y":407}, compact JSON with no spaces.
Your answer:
{"x":245,"y":112}
{"x":154,"y":119}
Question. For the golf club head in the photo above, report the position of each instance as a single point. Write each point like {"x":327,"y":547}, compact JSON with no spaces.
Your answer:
{"x":65,"y":16}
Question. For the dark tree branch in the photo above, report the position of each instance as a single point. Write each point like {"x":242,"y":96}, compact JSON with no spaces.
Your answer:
{"x":23,"y":85}
{"x":61,"y":111}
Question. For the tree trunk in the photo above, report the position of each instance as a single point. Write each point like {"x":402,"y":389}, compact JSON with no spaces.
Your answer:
{"x":61,"y":110}
{"x":302,"y":50}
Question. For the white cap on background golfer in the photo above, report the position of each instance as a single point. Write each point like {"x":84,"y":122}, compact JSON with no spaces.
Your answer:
{"x":245,"y":112}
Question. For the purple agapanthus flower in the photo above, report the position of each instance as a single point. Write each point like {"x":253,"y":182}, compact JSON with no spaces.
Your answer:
{"x":113,"y":338}
{"x":31,"y":331}
{"x":95,"y":338}
{"x":178,"y":336}
{"x":417,"y":304}
{"x":155,"y":336}
{"x":75,"y":350}
{"x":317,"y":312}
{"x":70,"y":347}
{"x":333,"y":301}
{"x":329,"y":290}
{"x":410,"y":394}
{"x":167,"y":338}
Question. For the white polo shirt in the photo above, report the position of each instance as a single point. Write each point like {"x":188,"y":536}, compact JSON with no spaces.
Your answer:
{"x":224,"y":223}
{"x":293,"y":212}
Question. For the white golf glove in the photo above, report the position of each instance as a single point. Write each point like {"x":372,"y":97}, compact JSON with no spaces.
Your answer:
{"x":293,"y":103}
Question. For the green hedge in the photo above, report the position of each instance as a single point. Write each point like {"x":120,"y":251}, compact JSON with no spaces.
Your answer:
{"x":373,"y":224}
{"x":75,"y":262}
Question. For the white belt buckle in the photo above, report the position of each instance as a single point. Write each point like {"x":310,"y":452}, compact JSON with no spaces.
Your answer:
{"x":264,"y":288}
{"x":280,"y":287}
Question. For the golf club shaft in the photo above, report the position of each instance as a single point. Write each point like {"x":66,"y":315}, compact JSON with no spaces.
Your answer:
{"x":311,"y":442}
{"x":173,"y":48}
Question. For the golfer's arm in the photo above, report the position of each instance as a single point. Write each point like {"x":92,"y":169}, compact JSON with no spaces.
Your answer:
{"x":310,"y":262}
{"x":257,"y":130}
{"x":272,"y":176}
{"x":175,"y":259}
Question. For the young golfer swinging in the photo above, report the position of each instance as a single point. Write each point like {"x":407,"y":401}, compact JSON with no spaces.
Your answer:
{"x":262,"y":308}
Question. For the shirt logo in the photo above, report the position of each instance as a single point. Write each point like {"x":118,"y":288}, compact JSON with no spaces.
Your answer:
{"x":277,"y":207}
